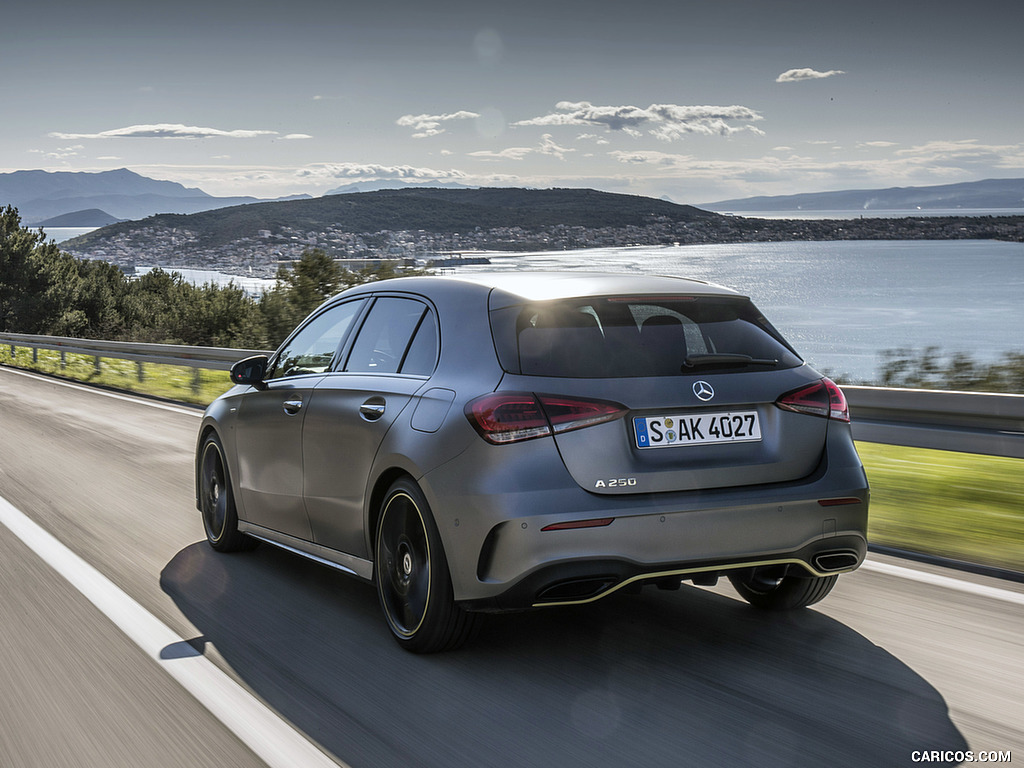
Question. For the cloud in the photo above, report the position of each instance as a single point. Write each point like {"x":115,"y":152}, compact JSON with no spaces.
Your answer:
{"x":547,"y":146}
{"x":796,"y":75}
{"x":650,"y":157}
{"x":60,"y":153}
{"x":330,"y":171}
{"x":966,"y":154}
{"x":163,"y":131}
{"x":667,"y":122}
{"x":430,"y":125}
{"x":929,"y":163}
{"x":511,"y":153}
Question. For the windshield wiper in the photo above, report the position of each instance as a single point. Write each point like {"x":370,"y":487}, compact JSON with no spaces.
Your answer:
{"x":725,"y":360}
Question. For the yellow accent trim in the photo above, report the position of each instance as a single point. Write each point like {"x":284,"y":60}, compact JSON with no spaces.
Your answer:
{"x":703,"y":569}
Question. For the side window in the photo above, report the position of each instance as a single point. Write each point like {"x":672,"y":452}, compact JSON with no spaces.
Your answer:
{"x":384,"y":338}
{"x":422,"y":355}
{"x":312,"y":348}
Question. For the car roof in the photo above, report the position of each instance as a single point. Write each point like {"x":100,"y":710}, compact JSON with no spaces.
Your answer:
{"x":509,"y":288}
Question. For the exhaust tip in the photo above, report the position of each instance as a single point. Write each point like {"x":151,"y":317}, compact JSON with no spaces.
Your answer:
{"x":576,"y":589}
{"x":830,"y":562}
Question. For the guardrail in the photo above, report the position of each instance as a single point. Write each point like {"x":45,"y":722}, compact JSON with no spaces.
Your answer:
{"x":972,"y":422}
{"x":197,"y":358}
{"x":212,"y":358}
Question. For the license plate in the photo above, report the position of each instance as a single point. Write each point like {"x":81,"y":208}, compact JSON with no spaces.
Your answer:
{"x":697,"y":429}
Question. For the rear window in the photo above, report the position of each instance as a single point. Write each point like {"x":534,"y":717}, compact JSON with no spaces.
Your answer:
{"x":618,"y":337}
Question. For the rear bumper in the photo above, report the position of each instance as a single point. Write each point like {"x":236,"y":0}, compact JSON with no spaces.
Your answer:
{"x":574,"y":583}
{"x":501,"y":559}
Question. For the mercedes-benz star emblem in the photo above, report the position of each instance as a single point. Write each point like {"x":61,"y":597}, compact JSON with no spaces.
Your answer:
{"x":703,"y":390}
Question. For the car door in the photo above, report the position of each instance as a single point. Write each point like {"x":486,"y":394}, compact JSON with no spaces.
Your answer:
{"x":269,"y":422}
{"x":392,"y":356}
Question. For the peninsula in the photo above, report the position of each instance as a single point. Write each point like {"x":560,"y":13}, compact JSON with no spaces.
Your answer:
{"x":430,"y":225}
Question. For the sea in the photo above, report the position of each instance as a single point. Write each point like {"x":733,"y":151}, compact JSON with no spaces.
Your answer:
{"x":839,"y":303}
{"x":842,"y":303}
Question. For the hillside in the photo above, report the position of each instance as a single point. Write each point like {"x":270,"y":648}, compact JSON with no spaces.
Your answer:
{"x":428,"y":209}
{"x":977,"y":195}
{"x":90,"y":217}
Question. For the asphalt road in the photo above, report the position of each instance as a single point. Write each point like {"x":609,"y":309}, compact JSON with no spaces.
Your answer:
{"x":884,"y":667}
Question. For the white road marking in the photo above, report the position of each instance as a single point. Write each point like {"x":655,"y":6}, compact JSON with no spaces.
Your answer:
{"x":105,"y":393}
{"x":947,"y":582}
{"x":276,"y":742}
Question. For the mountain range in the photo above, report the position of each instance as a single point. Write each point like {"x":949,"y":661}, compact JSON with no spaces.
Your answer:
{"x":44,"y":197}
{"x":80,"y":199}
{"x":977,"y":195}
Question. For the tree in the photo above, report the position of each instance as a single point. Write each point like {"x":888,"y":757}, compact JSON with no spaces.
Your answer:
{"x":43,"y":290}
{"x":300,"y":290}
{"x":23,"y":281}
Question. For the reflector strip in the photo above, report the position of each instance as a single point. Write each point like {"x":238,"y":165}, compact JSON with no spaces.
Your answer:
{"x":600,"y":522}
{"x":838,"y":502}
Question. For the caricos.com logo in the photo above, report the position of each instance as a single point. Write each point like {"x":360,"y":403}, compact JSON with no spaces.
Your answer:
{"x":958,"y":757}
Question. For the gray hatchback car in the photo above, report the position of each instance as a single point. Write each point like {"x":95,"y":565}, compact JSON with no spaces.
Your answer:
{"x":498,"y":442}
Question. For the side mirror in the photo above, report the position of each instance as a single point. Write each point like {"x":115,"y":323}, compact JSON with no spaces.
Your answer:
{"x":251,"y":370}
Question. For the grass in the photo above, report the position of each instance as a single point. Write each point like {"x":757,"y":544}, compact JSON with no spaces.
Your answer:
{"x":174,"y":382}
{"x":959,"y":505}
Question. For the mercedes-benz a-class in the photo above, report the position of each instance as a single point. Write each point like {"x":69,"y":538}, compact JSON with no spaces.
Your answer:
{"x":496,"y":442}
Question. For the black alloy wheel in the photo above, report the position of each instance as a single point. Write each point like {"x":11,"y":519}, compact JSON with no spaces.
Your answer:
{"x":411,"y":574}
{"x":216,"y":501}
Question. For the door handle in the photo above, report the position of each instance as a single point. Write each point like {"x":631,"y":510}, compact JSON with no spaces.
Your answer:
{"x":291,"y":407}
{"x":373,"y":408}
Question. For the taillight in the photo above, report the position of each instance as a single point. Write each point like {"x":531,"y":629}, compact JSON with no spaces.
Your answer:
{"x":822,"y":398}
{"x":508,"y":417}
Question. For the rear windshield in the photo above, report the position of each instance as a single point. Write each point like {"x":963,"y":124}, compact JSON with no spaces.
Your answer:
{"x":617,"y":337}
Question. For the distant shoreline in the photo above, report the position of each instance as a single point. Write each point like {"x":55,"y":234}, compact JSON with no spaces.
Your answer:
{"x":846,"y":214}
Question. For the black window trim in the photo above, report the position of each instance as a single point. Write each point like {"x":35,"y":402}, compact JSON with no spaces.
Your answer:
{"x":337,"y":367}
{"x":357,"y":321}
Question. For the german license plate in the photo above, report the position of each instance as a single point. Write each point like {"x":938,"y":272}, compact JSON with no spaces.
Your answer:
{"x":697,"y":429}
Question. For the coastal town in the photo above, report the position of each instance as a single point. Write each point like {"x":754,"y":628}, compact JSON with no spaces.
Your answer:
{"x":263,"y":254}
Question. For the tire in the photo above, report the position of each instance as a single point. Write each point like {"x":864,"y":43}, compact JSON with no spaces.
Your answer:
{"x":774,"y":589}
{"x":217,"y":501}
{"x":411,"y":573}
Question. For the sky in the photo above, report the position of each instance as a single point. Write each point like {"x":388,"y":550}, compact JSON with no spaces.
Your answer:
{"x":697,"y":102}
